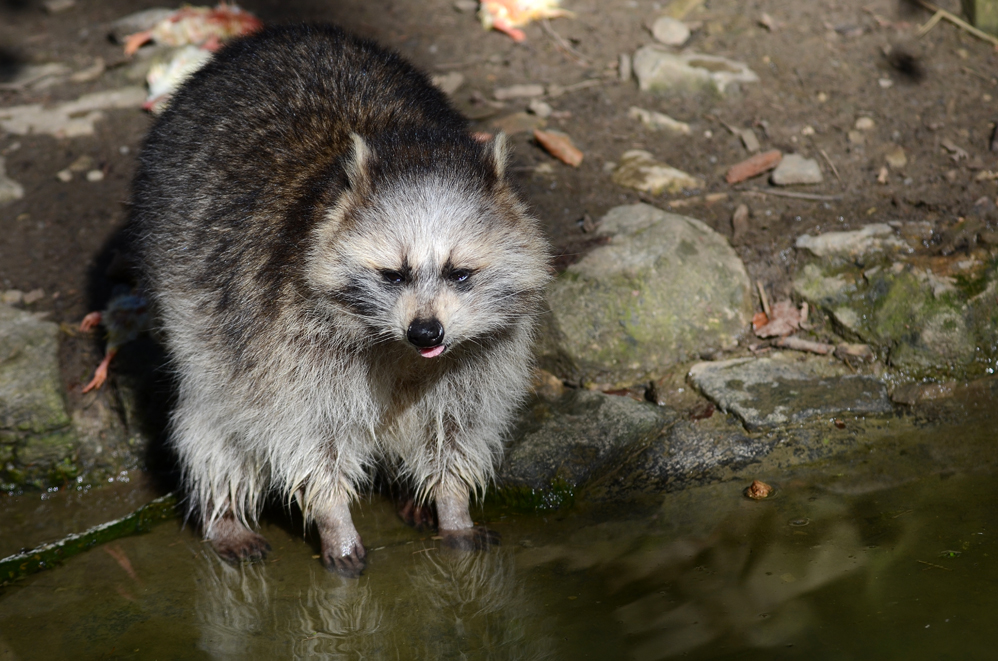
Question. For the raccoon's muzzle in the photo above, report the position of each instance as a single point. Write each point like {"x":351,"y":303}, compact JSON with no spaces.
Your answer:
{"x":427,"y":335}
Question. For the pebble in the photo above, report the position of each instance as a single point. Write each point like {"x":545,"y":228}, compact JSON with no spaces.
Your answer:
{"x":753,"y":166}
{"x":896,"y":158}
{"x":885,"y":83}
{"x":10,"y":190}
{"x":670,"y":32}
{"x":624,"y":67}
{"x":518,"y":92}
{"x":95,"y":175}
{"x":448,"y":83}
{"x":34,"y":296}
{"x":540,"y":108}
{"x":739,"y":223}
{"x":656,"y":120}
{"x":864,"y":124}
{"x":749,"y":140}
{"x":12,"y":297}
{"x":466,"y":6}
{"x":639,"y":170}
{"x":81,"y":164}
{"x":57,"y":6}
{"x":65,"y":176}
{"x":795,"y":169}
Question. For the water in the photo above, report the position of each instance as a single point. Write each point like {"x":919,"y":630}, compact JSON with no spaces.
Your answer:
{"x":887,"y":553}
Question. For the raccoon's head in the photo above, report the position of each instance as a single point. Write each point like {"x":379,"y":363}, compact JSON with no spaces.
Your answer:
{"x":428,"y":246}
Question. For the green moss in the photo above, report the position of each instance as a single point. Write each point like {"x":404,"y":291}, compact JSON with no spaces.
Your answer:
{"x":559,"y":494}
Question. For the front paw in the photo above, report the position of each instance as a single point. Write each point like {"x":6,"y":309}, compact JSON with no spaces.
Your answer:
{"x":348,"y":565}
{"x":478,"y":538}
{"x":242,"y":544}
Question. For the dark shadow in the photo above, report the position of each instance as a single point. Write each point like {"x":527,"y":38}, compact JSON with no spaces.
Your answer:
{"x":10,"y":64}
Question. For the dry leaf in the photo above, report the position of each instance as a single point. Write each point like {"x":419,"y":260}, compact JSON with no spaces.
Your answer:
{"x":560,"y":146}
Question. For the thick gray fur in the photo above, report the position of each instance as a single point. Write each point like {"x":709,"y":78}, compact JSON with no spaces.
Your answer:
{"x":286,"y":186}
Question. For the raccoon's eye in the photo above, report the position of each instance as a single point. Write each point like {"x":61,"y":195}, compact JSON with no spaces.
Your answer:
{"x":393,"y":277}
{"x":458,"y":275}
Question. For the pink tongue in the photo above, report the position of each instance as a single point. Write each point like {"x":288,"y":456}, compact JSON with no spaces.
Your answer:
{"x":432,"y":352}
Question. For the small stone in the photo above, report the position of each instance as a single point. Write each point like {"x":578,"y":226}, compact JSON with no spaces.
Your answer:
{"x":656,"y":120}
{"x":864,"y":124}
{"x":81,"y":164}
{"x":749,"y":140}
{"x":540,"y":108}
{"x":518,"y":122}
{"x":12,"y":297}
{"x":448,"y":83}
{"x":807,"y":130}
{"x":882,"y":175}
{"x":466,"y":6}
{"x":670,"y":32}
{"x":57,"y":6}
{"x":758,"y":490}
{"x":739,"y":223}
{"x":10,"y":190}
{"x":95,"y":175}
{"x":885,"y":83}
{"x":661,"y":71}
{"x":638,"y":169}
{"x":34,"y":296}
{"x":896,"y":158}
{"x":518,"y":92}
{"x":874,"y":238}
{"x":624,"y":67}
{"x":856,"y":138}
{"x":65,"y":176}
{"x":795,"y":169}
{"x":822,"y":97}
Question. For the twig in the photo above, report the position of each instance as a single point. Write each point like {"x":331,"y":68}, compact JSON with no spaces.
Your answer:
{"x":831,"y":165}
{"x":575,"y":55}
{"x":978,"y":75}
{"x":800,"y":344}
{"x":958,"y":22}
{"x":557,"y":90}
{"x":763,"y":299}
{"x":931,"y":23}
{"x":932,"y":564}
{"x":47,"y":556}
{"x":814,"y":197}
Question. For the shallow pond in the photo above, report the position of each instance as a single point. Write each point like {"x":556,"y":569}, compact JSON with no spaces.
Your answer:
{"x":889,"y":552}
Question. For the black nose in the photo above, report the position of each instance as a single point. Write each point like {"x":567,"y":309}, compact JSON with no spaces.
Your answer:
{"x":425,"y":333}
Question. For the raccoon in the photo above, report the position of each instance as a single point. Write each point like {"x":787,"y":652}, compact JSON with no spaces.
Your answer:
{"x":343,"y":278}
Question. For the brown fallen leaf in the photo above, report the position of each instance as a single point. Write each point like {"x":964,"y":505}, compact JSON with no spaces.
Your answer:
{"x":785,"y":319}
{"x":560,"y":146}
{"x":756,"y":165}
{"x":759,"y":319}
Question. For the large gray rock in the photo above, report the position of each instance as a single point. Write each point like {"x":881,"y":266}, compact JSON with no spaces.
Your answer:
{"x":788,"y":388}
{"x":36,"y":434}
{"x":562,"y":443}
{"x":659,"y":70}
{"x":664,"y":288}
{"x":933,"y":318}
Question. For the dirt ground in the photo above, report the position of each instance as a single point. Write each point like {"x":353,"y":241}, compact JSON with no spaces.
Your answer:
{"x":821,"y":67}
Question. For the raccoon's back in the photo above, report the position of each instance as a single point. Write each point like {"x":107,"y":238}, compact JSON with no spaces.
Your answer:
{"x":250,"y":154}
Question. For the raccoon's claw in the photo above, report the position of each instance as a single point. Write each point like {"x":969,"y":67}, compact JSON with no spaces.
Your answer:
{"x":478,"y":538}
{"x":237,"y":544}
{"x":418,"y":516}
{"x":348,"y":566}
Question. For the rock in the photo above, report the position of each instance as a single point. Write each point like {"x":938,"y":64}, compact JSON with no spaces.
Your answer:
{"x":12,"y":297}
{"x":58,"y":6}
{"x":864,"y":124}
{"x":658,"y":70}
{"x":624,"y":70}
{"x":568,"y":440}
{"x":65,"y":176}
{"x":518,"y":122}
{"x":670,"y":32}
{"x":448,"y":83}
{"x":36,"y":434}
{"x":896,"y":158}
{"x":874,"y":238}
{"x":34,"y":296}
{"x":739,"y":223}
{"x":72,"y":118}
{"x":540,"y":108}
{"x":95,"y":175}
{"x":10,"y":190}
{"x":656,"y":120}
{"x":795,"y":169}
{"x":929,"y":319}
{"x":638,"y":169}
{"x":784,"y":389}
{"x":518,"y":92}
{"x":664,"y":288}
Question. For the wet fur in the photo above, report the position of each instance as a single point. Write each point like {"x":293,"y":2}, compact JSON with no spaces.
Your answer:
{"x":284,"y":180}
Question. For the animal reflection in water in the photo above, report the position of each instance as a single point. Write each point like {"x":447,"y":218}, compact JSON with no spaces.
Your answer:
{"x":443,"y":604}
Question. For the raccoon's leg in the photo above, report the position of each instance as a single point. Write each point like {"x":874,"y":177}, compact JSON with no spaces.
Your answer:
{"x":454,"y":520}
{"x":342,"y":549}
{"x":233,"y":541}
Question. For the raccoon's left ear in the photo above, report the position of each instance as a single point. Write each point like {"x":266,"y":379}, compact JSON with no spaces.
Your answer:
{"x":499,"y":152}
{"x":358,"y":162}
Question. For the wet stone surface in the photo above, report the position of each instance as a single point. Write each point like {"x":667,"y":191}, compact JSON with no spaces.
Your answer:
{"x":788,"y":388}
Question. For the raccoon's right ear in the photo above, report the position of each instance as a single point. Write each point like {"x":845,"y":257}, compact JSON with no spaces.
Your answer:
{"x":358,"y":163}
{"x":499,"y":151}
